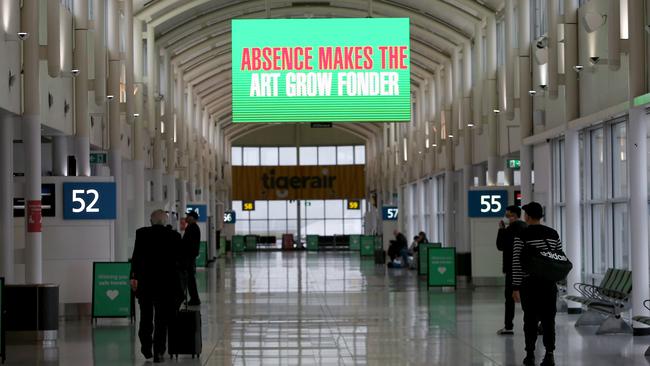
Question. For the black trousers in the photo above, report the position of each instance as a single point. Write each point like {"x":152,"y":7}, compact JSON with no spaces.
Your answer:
{"x":155,"y":315}
{"x":510,"y":303}
{"x":191,"y":284}
{"x":538,"y":302}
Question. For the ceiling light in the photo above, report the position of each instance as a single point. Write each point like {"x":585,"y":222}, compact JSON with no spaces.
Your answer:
{"x":532,"y":92}
{"x":496,"y":111}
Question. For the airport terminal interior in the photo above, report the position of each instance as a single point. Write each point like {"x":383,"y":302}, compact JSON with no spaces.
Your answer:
{"x":335,"y":176}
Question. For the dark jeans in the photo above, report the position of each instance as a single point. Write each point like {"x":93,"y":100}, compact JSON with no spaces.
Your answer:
{"x":538,"y":302}
{"x":155,"y":315}
{"x":191,"y":284}
{"x":510,"y":303}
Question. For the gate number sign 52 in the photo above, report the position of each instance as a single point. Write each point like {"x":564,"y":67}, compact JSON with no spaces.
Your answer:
{"x":490,"y":203}
{"x":76,"y":198}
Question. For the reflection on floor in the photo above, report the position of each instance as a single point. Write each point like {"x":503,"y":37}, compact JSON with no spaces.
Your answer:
{"x":335,"y":309}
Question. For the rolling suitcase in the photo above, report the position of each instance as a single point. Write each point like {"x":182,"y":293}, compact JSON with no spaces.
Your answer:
{"x":380,"y":256}
{"x":184,"y":333}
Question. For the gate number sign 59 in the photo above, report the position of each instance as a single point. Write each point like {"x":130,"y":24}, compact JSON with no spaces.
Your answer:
{"x":488,"y":203}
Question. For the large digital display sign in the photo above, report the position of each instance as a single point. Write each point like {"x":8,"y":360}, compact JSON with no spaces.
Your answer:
{"x":321,"y":70}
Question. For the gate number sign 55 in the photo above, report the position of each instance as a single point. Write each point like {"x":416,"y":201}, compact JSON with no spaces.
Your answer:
{"x":76,"y":198}
{"x":490,"y":203}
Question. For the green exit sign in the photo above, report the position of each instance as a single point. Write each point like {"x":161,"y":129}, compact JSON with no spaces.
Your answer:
{"x":514,"y":164}
{"x":98,"y":158}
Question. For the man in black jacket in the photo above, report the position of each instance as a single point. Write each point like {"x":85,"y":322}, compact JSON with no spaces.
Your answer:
{"x":537,"y":296}
{"x":397,"y":246}
{"x":505,"y":243}
{"x":154,"y":278}
{"x":191,"y":247}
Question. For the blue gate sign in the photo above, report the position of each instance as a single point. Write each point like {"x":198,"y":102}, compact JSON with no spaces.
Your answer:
{"x":389,"y":213}
{"x":89,"y":201}
{"x":200,"y":210}
{"x":487,"y":203}
{"x":229,"y":217}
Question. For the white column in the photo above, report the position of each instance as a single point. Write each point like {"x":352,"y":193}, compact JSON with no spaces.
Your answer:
{"x":510,"y":58}
{"x":6,"y":199}
{"x":99,"y":9}
{"x":140,"y":142}
{"x":638,"y":170}
{"x":493,"y":126}
{"x":82,"y":126}
{"x":115,"y":128}
{"x":573,"y":240}
{"x":478,"y":77}
{"x":31,"y":130}
{"x":53,"y":38}
{"x":552,"y":14}
{"x":60,"y":156}
{"x":525,"y":114}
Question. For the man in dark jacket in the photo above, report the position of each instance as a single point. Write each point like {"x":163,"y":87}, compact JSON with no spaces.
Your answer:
{"x":191,"y":247}
{"x":397,"y":245}
{"x":537,"y":296}
{"x":154,"y":278}
{"x":505,"y":243}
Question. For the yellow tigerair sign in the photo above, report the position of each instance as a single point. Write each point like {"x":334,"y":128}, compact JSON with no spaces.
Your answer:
{"x":298,"y":182}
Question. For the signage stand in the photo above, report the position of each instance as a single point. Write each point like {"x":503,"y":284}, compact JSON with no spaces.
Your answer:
{"x":3,"y":354}
{"x":441,"y":263}
{"x":112,"y":296}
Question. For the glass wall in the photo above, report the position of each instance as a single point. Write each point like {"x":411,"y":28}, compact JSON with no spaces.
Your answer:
{"x":318,"y":217}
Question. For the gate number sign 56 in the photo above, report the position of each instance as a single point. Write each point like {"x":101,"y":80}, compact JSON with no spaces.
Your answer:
{"x":490,"y":203}
{"x":76,"y":198}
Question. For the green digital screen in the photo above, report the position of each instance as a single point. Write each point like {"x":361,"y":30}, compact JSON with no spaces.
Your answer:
{"x":321,"y":70}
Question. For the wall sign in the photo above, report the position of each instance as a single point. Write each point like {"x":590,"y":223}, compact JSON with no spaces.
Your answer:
{"x":354,"y":205}
{"x":389,"y":213}
{"x":98,"y":157}
{"x":518,"y":198}
{"x":488,"y":203}
{"x":201,"y":210}
{"x":112,"y":290}
{"x":229,"y":217}
{"x":48,"y":202}
{"x":89,"y":201}
{"x":514,"y":164}
{"x":34,"y":216}
{"x":248,"y":206}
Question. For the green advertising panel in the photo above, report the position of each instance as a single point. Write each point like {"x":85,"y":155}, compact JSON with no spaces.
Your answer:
{"x":111,"y":290}
{"x":321,"y":70}
{"x":238,"y":244}
{"x":355,"y":242}
{"x":312,"y":242}
{"x":422,"y":256}
{"x":251,"y":243}
{"x":441,"y":267}
{"x":202,"y":259}
{"x":367,"y":246}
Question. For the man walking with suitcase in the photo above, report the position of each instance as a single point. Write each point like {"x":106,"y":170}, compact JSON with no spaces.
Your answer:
{"x":154,"y":278}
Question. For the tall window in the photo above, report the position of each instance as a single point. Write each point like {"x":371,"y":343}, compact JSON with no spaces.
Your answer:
{"x":559,"y":188}
{"x":607,"y":202}
{"x":440,"y":208}
{"x":288,"y":156}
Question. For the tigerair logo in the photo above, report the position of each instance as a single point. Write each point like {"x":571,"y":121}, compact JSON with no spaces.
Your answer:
{"x":271,"y":181}
{"x":552,"y":255}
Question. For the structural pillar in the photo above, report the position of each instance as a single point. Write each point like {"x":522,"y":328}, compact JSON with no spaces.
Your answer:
{"x":31,"y":130}
{"x":525,"y":103}
{"x":82,"y":127}
{"x":60,"y":156}
{"x":493,"y":124}
{"x":6,"y":199}
{"x":573,"y":240}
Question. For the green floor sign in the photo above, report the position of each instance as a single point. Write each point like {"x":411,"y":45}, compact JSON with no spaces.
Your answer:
{"x":222,"y":246}
{"x":441,"y":267}
{"x":238,"y":244}
{"x":355,"y":242}
{"x":367,"y":246}
{"x":251,"y":243}
{"x":111,"y":290}
{"x":422,"y":256}
{"x":202,"y":259}
{"x":312,"y":242}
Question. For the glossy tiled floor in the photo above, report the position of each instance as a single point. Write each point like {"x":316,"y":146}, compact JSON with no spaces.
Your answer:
{"x":335,"y":309}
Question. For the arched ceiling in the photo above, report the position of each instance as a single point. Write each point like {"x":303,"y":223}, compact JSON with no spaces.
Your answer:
{"x":196,"y":35}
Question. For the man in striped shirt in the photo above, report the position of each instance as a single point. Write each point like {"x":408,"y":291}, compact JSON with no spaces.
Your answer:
{"x":537,"y":296}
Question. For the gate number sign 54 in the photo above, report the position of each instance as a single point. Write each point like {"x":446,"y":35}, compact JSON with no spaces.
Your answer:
{"x":488,"y":203}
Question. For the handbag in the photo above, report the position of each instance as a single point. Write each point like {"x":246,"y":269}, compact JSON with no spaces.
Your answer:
{"x":547,"y":264}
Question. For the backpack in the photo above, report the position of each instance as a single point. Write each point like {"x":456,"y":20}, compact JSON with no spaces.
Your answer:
{"x":546,"y":264}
